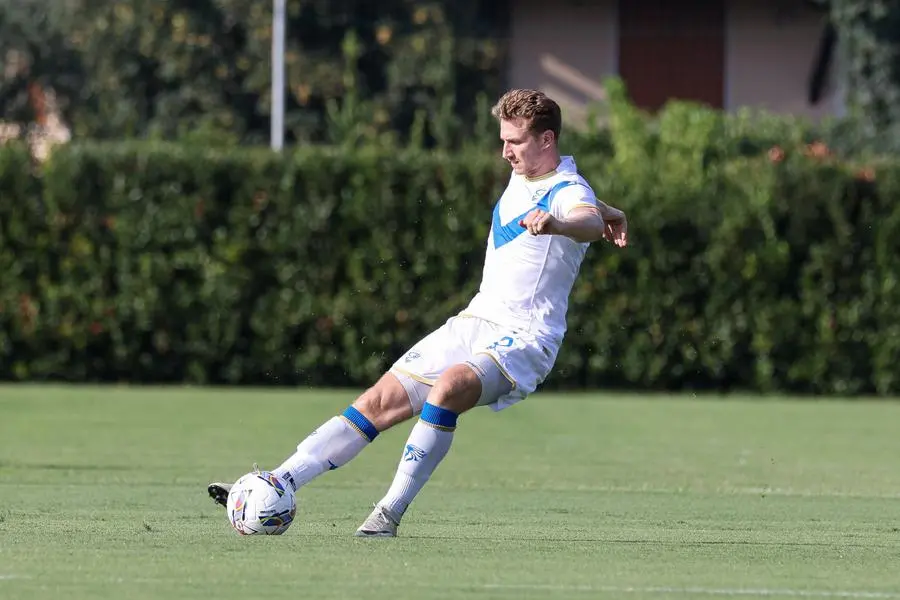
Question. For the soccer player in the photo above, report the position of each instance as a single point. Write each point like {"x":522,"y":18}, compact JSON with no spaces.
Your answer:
{"x":498,"y":349}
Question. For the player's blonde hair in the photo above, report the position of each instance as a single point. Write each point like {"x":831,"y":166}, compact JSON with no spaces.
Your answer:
{"x":535,"y":107}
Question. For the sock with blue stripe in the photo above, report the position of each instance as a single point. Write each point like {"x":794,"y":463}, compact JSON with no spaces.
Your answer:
{"x":426,"y":447}
{"x":330,"y":446}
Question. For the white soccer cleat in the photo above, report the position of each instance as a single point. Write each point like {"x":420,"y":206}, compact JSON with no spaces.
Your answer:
{"x":383,"y":522}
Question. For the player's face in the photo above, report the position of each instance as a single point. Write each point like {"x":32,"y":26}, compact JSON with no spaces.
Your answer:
{"x":524,"y":150}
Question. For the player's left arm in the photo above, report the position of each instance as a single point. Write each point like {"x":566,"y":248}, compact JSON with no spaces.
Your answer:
{"x":582,"y":224}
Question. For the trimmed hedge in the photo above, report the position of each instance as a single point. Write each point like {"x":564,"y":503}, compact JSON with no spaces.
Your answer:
{"x":748,"y":268}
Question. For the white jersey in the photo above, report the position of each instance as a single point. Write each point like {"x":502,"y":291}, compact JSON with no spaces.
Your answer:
{"x":527,"y":279}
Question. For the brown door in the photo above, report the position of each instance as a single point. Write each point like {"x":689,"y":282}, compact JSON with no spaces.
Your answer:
{"x":670,"y":49}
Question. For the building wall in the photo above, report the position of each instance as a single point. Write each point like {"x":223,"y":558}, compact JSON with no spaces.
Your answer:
{"x":566,"y":51}
{"x":769,"y":57}
{"x":673,"y":49}
{"x":770,"y":46}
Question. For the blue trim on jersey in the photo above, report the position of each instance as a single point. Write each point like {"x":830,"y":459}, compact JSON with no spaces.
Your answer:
{"x":504,"y":234}
{"x":359,"y":420}
{"x":435,"y":415}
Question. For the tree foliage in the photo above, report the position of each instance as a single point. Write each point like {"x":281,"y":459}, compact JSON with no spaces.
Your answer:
{"x":869,"y":36}
{"x":143,"y":68}
{"x":769,"y":269}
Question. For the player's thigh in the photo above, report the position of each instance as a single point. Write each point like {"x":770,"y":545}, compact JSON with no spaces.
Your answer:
{"x":522,"y":360}
{"x":420,"y":368}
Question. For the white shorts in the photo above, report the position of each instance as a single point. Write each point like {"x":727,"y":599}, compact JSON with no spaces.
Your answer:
{"x":520,"y":356}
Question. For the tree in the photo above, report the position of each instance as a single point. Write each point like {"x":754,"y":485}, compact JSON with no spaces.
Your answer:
{"x":37,"y":57}
{"x":138,"y":68}
{"x":868,"y":33}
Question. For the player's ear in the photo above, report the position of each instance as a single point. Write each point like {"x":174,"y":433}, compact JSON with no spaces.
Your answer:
{"x":547,"y":140}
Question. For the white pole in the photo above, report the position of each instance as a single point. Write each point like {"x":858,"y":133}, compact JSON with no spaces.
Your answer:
{"x":278,"y":90}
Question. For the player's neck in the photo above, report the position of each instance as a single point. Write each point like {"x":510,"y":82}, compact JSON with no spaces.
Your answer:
{"x":544,"y":169}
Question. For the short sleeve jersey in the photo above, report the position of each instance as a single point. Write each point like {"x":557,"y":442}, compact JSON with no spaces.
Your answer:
{"x":527,"y":279}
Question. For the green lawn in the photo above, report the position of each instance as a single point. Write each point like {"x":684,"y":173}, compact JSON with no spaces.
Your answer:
{"x":563,"y":496}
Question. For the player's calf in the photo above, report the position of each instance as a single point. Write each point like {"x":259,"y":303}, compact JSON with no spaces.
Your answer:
{"x":460,"y":388}
{"x":425,"y":448}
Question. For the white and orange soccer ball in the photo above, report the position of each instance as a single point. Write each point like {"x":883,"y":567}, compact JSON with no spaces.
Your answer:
{"x":260,"y":503}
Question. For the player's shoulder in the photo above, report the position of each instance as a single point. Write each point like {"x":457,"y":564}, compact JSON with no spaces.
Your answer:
{"x":568,"y":171}
{"x":572,"y":188}
{"x":571,"y":182}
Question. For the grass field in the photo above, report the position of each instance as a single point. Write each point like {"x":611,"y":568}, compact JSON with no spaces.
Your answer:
{"x":564,"y":496}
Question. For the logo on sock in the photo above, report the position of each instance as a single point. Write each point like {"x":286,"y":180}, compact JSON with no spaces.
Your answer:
{"x":413,"y":453}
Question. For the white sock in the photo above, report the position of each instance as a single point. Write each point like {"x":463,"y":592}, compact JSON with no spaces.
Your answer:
{"x":332,"y":445}
{"x":426,"y":447}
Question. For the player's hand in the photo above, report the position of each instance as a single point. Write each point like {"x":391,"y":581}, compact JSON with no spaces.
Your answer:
{"x":616,"y":228}
{"x":540,"y":222}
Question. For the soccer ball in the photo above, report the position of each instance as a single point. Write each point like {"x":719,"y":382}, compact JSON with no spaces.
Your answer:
{"x":260,"y":503}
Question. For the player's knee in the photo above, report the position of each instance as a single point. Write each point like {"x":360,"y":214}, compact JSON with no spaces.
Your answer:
{"x":476,"y":382}
{"x":457,"y":389}
{"x":384,"y":404}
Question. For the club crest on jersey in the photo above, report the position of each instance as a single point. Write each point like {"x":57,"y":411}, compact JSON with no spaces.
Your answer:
{"x":503,"y":233}
{"x":536,"y":197}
